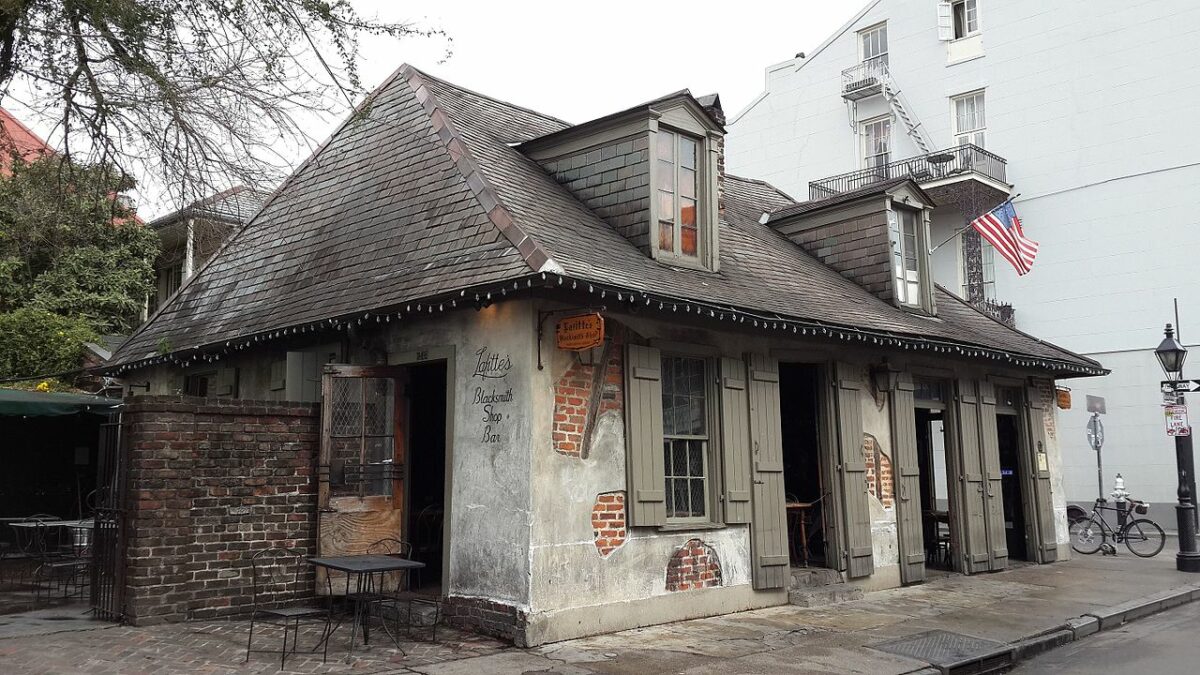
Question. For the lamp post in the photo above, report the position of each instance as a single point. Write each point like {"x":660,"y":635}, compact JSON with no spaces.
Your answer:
{"x":1171,"y":355}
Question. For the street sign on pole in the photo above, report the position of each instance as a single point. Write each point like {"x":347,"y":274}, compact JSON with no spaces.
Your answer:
{"x":1177,"y":422}
{"x":1180,"y":386}
{"x":1095,"y":432}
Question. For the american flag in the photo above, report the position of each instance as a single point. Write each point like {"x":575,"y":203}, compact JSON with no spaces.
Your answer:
{"x":1002,"y":228}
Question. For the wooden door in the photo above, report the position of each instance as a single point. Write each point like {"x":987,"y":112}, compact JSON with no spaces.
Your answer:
{"x":993,"y":505}
{"x":769,"y":538}
{"x":907,"y":467}
{"x":970,"y":495}
{"x":1037,"y":479}
{"x":362,"y":459}
{"x":852,"y":474}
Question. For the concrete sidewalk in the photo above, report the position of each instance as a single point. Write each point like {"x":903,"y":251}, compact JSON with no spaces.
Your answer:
{"x":975,"y":615}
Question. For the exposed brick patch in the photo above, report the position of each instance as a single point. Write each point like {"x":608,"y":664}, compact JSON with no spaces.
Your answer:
{"x":608,"y":521}
{"x":211,"y":481}
{"x":880,"y":481}
{"x":487,"y":617}
{"x":694,"y":565}
{"x":1049,"y":406}
{"x":575,"y":403}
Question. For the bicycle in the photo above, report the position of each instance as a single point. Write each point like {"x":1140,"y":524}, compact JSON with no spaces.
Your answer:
{"x":1142,"y":536}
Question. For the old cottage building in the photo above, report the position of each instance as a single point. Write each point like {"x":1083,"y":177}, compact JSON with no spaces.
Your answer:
{"x":597,"y":382}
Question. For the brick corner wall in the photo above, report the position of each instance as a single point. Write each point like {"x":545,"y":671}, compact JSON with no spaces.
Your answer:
{"x":488,"y":618}
{"x":210,"y":482}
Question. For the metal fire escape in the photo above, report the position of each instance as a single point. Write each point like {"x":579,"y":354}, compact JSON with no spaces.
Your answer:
{"x":871,"y":78}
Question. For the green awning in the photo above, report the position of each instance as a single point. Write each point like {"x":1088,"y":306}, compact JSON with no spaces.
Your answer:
{"x":21,"y":403}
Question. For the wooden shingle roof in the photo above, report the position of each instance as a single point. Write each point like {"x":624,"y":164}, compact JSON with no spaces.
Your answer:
{"x":421,"y":194}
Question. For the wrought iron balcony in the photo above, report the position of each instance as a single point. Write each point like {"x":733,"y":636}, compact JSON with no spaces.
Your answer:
{"x":1000,"y":311}
{"x":865,"y":79}
{"x":940,"y":166}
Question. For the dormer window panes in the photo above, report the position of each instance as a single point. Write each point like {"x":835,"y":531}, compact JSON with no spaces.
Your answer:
{"x":678,"y":182}
{"x":907,"y":238}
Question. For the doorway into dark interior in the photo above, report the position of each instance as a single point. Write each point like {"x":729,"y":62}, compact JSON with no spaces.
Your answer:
{"x":936,"y":505}
{"x":427,"y":472}
{"x":1011,"y":485}
{"x":799,"y":387}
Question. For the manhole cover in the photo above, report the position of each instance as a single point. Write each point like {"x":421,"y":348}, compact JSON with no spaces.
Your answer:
{"x":940,"y":647}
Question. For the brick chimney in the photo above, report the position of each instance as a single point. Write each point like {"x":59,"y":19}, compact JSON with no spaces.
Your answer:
{"x":712,"y":105}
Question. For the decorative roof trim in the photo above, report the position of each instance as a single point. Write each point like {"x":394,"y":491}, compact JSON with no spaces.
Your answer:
{"x":531,"y":251}
{"x":632,"y":300}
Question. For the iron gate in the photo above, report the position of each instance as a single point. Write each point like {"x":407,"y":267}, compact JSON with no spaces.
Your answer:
{"x":108,"y":536}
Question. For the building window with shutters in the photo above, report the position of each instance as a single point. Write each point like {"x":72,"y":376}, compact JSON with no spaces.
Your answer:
{"x":910,"y":258}
{"x":966,"y":18}
{"x":686,"y":426}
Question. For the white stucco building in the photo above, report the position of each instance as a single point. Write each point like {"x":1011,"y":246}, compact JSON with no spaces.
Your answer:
{"x":1085,"y":110}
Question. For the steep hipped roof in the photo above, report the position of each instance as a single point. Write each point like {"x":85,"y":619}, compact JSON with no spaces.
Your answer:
{"x":18,"y":139}
{"x":235,"y":205}
{"x":422,"y":195}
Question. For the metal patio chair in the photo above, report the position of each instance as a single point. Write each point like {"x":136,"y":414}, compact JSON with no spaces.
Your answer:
{"x":396,"y":596}
{"x":277,"y":575}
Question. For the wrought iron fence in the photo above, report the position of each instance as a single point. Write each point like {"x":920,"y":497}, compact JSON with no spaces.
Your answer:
{"x":108,"y":535}
{"x":936,"y":165}
{"x":1000,"y":311}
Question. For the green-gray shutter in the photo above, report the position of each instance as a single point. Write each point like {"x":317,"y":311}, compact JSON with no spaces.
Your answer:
{"x":735,"y":440}
{"x":303,"y":377}
{"x":852,"y":470}
{"x":227,"y":383}
{"x":1038,"y":484}
{"x":906,"y":468}
{"x":768,"y":533}
{"x":993,"y":483}
{"x":644,"y":436}
{"x":972,"y":521}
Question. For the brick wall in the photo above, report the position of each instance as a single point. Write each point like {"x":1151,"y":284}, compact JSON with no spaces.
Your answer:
{"x":608,"y":522}
{"x":489,"y":618}
{"x":857,"y":248}
{"x":575,"y":404}
{"x":694,"y":565}
{"x":613,"y":181}
{"x":210,"y":482}
{"x":880,"y":481}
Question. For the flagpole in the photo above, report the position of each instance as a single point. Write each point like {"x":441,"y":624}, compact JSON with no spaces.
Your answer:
{"x":958,"y":233}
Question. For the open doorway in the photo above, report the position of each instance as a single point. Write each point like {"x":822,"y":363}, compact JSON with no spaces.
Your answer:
{"x":799,"y":387}
{"x":424,"y":524}
{"x":937,"y":511}
{"x":1012,"y":483}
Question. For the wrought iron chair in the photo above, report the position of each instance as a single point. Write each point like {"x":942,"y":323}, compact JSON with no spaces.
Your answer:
{"x":395,"y":594}
{"x":277,"y":578}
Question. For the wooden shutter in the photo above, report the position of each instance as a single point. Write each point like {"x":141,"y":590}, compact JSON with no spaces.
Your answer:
{"x":945,"y":20}
{"x":852,"y":470}
{"x":907,"y":474}
{"x":1038,"y":481}
{"x":972,"y":521}
{"x":989,"y":444}
{"x":768,"y":533}
{"x":735,"y":440}
{"x":226,"y":383}
{"x":303,"y":376}
{"x":644,"y":436}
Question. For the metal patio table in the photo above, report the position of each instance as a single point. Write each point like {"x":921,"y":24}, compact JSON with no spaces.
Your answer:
{"x":361,"y":568}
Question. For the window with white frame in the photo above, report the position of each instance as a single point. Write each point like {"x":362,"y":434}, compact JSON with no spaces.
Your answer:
{"x":988,"y":269}
{"x":685,"y":437}
{"x":906,"y":233}
{"x":873,"y":44}
{"x":877,"y":142}
{"x":966,"y":18}
{"x":969,"y":121}
{"x":678,"y":181}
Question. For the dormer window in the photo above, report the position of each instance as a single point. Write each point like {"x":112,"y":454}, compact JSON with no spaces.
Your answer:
{"x":678,"y":190}
{"x":910,"y":258}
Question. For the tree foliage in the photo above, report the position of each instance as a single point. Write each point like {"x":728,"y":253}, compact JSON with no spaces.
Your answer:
{"x":198,"y":93}
{"x":34,"y":341}
{"x":73,"y":251}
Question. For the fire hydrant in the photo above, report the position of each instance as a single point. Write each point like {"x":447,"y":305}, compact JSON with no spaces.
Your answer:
{"x":1120,"y":494}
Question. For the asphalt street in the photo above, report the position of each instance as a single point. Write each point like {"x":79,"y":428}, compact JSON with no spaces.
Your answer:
{"x":1163,"y":644}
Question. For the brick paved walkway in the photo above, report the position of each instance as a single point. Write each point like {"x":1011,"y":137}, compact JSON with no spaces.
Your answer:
{"x":217,"y":647}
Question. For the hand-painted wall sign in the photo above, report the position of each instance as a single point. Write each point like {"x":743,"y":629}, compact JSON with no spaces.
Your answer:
{"x":580,"y":332}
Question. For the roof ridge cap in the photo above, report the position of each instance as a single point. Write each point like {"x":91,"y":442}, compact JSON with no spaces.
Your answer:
{"x":493,"y":99}
{"x":532,"y":252}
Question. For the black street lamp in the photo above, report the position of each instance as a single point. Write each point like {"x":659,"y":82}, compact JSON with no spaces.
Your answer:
{"x":1171,"y":355}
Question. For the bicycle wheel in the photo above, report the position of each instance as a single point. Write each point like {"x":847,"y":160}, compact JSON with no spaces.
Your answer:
{"x":1144,"y":538}
{"x":1086,"y":535}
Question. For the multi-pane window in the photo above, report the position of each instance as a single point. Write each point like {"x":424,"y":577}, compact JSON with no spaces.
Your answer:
{"x":874,"y":44}
{"x":988,"y":269}
{"x":969,"y":120}
{"x":906,"y":255}
{"x":678,"y":181}
{"x":966,"y":18}
{"x":877,"y":142}
{"x":362,"y":435}
{"x":685,"y":436}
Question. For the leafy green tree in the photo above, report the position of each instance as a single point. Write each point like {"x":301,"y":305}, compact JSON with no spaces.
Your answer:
{"x":197,"y":94}
{"x":35,"y":342}
{"x":73,"y":249}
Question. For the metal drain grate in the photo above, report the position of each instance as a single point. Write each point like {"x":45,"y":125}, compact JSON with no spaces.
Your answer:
{"x":951,"y":652}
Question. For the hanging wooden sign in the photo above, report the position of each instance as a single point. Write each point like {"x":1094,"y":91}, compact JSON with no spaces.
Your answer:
{"x":1063,"y":398}
{"x":580,"y":332}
